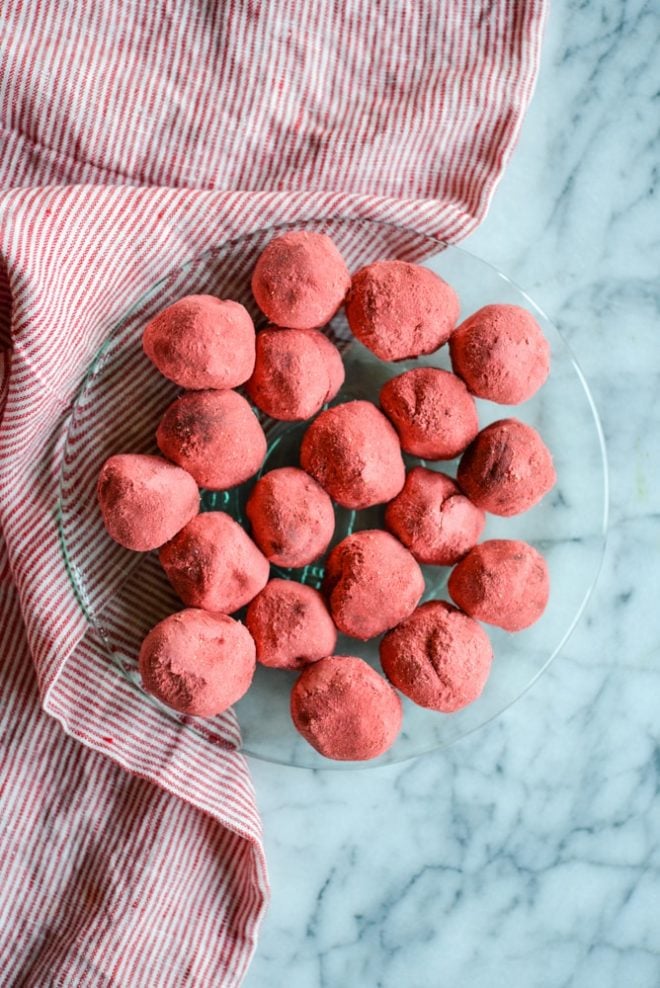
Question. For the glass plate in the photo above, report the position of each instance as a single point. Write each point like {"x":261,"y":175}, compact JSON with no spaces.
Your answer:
{"x":123,"y":594}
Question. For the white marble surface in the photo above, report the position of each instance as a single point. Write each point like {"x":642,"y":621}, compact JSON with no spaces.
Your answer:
{"x":527,"y":856}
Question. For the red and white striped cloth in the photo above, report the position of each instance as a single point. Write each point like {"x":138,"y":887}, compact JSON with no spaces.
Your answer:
{"x":134,"y":858}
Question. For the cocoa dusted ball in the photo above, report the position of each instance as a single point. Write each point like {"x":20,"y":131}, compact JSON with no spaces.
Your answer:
{"x":291,"y":625}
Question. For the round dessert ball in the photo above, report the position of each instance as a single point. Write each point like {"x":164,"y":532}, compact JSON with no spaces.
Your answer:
{"x":439,"y":657}
{"x":371,"y":583}
{"x":290,"y":625}
{"x":354,"y":454}
{"x":507,"y":469}
{"x":503,"y":582}
{"x":432,"y":411}
{"x":501,"y":354}
{"x":213,"y":564}
{"x":215,"y":436}
{"x":202,"y":342}
{"x":345,"y":710}
{"x":300,"y":280}
{"x":292,"y":517}
{"x":400,"y":310}
{"x":433,"y":518}
{"x":198,"y":663}
{"x":296,"y":372}
{"x":145,"y":500}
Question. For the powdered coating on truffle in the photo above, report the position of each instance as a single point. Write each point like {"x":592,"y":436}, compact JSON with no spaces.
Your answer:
{"x":433,"y":518}
{"x":202,"y":342}
{"x":296,"y":372}
{"x":354,"y":454}
{"x":292,"y":517}
{"x":290,"y":625}
{"x":300,"y":280}
{"x":432,"y":412}
{"x":215,"y":436}
{"x":507,"y":469}
{"x":345,"y":710}
{"x":197,"y":663}
{"x":213,"y":564}
{"x":400,"y":310}
{"x":501,"y":354}
{"x":503,"y":582}
{"x":371,"y":583}
{"x":439,"y":657}
{"x":145,"y":500}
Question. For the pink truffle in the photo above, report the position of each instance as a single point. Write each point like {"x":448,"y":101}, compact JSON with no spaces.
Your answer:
{"x":213,"y":564}
{"x":432,"y":411}
{"x":215,"y":436}
{"x":371,"y":583}
{"x":296,"y":372}
{"x":439,"y":657}
{"x":400,"y":310}
{"x":144,"y":500}
{"x":507,"y":469}
{"x":291,"y":516}
{"x":300,"y":280}
{"x":202,"y":342}
{"x":354,"y":454}
{"x":291,"y":625}
{"x":433,"y":518}
{"x":501,"y":354}
{"x":345,"y":710}
{"x":197,"y":663}
{"x":503,"y":582}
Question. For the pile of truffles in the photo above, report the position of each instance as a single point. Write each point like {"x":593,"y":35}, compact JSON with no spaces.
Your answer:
{"x":202,"y":659}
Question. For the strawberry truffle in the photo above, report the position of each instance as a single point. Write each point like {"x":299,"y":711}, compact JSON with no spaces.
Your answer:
{"x":433,"y":518}
{"x":371,"y":583}
{"x":198,"y":663}
{"x":214,"y":565}
{"x":502,"y":582}
{"x":501,"y":354}
{"x":439,"y":657}
{"x":400,"y":310}
{"x":345,"y":710}
{"x":432,"y":411}
{"x":291,"y":625}
{"x":507,"y":469}
{"x":292,"y":517}
{"x":215,"y":436}
{"x":144,"y":500}
{"x":300,"y":280}
{"x":354,"y":454}
{"x":202,"y":342}
{"x":297,"y":371}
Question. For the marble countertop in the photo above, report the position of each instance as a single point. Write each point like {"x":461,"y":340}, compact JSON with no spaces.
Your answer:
{"x":527,"y":855}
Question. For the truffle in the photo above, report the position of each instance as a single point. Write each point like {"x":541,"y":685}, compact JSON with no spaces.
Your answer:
{"x":507,"y":469}
{"x":202,"y":342}
{"x":439,"y":657}
{"x":145,"y":500}
{"x":215,"y":436}
{"x":433,"y":518}
{"x":213,"y":564}
{"x":432,"y":411}
{"x":345,"y":709}
{"x":354,"y":454}
{"x":371,"y":583}
{"x":197,"y":663}
{"x":292,"y":517}
{"x":501,"y":354}
{"x":300,"y":280}
{"x":400,"y":310}
{"x":296,"y":372}
{"x":291,"y":625}
{"x":503,"y":582}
